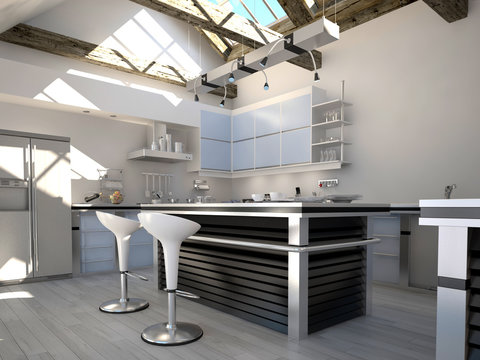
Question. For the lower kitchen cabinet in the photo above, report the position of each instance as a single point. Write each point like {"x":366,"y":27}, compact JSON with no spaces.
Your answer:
{"x":97,"y":248}
{"x":267,"y":151}
{"x":215,"y":155}
{"x":386,"y":254}
{"x":243,"y":155}
{"x":296,"y":146}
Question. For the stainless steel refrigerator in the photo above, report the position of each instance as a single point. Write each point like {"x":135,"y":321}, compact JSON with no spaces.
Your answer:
{"x":35,"y":202}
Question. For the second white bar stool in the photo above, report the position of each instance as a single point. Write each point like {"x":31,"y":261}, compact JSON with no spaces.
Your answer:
{"x":170,"y":231}
{"x":123,"y":229}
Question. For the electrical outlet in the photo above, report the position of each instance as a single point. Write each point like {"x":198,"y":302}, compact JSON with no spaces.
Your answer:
{"x":327,"y":183}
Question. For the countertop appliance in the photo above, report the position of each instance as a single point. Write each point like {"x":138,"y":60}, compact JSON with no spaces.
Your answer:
{"x":35,"y":199}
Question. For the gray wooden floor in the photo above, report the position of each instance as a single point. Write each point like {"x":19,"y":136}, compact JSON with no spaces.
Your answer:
{"x":60,"y":320}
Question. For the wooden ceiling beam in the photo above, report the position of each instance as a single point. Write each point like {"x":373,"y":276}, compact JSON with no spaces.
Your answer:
{"x":297,"y":11}
{"x":215,"y":19}
{"x":450,"y":10}
{"x":216,"y":42}
{"x":53,"y":43}
{"x":350,"y":20}
{"x":349,"y":13}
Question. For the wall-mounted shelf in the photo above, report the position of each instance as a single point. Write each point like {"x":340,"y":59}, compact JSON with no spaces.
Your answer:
{"x":331,"y":143}
{"x":155,"y":155}
{"x":331,"y":124}
{"x":330,"y":105}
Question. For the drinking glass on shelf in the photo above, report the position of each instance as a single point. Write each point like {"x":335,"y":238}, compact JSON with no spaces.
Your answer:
{"x":332,"y":155}
{"x":321,"y":156}
{"x":325,"y":155}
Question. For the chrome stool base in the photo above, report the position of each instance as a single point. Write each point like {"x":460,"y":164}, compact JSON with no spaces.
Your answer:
{"x":182,"y":333}
{"x":117,"y":306}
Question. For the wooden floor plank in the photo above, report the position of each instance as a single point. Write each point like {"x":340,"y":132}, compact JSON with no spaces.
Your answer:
{"x":9,"y":348}
{"x":62,"y":321}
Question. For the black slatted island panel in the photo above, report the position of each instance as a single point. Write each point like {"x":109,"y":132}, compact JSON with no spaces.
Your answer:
{"x":336,"y":287}
{"x":336,"y":279}
{"x":252,"y":283}
{"x":474,"y":303}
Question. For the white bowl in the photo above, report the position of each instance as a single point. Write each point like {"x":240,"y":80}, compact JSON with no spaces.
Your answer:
{"x":276,"y":196}
{"x":258,"y":197}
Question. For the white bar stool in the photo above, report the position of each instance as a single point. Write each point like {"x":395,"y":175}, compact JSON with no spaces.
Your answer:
{"x":170,"y":231}
{"x":123,"y":229}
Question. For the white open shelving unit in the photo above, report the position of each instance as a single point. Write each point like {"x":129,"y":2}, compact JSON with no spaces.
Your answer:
{"x":328,"y":137}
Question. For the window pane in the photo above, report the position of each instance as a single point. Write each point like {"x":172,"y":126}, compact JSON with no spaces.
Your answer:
{"x":277,"y":8}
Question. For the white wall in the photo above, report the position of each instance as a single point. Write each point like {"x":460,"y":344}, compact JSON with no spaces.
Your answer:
{"x":104,"y":143}
{"x":413,"y":80}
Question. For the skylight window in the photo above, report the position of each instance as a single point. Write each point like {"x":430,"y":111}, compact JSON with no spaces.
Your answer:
{"x":263,"y":12}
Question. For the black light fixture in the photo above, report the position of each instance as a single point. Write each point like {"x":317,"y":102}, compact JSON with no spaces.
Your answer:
{"x":222,"y":103}
{"x":263,"y":63}
{"x":196,"y":98}
{"x":265,"y":86}
{"x":316,"y":77}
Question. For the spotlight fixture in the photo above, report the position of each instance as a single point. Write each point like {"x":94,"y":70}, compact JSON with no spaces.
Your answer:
{"x":231,"y":77}
{"x":265,"y":86}
{"x":222,"y":103}
{"x":315,"y":77}
{"x":196,"y":98}
{"x":265,"y":59}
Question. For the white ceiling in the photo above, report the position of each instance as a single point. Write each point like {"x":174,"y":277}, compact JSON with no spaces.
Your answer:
{"x":13,"y":12}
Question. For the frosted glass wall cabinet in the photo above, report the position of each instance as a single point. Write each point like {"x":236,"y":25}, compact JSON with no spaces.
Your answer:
{"x":35,"y":194}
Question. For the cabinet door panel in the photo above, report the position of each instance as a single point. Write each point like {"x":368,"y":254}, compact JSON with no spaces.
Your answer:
{"x":243,"y":157}
{"x":215,"y":155}
{"x":243,"y":126}
{"x":215,"y":126}
{"x":296,"y":113}
{"x":267,"y":151}
{"x":267,"y":120}
{"x":296,"y":146}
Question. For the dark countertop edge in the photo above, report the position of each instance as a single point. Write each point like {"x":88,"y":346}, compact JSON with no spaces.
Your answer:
{"x":290,"y":208}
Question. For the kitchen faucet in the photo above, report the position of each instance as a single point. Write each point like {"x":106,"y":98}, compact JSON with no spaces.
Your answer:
{"x":448,"y":190}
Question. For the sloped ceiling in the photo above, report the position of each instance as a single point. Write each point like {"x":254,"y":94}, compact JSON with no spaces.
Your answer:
{"x":13,"y":12}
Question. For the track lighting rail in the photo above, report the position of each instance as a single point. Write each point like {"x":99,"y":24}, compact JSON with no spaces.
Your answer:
{"x":308,"y":38}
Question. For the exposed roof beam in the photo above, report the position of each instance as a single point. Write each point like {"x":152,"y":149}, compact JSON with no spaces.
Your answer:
{"x":43,"y":40}
{"x":217,"y":43}
{"x":349,"y":13}
{"x":450,"y":10}
{"x":297,"y":11}
{"x":215,"y":19}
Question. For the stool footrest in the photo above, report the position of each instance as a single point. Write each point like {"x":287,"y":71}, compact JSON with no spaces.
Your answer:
{"x":135,"y":275}
{"x":186,"y":294}
{"x":182,"y":293}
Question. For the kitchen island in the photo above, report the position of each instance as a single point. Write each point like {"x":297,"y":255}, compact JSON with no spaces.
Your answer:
{"x":291,"y":266}
{"x":294,"y":267}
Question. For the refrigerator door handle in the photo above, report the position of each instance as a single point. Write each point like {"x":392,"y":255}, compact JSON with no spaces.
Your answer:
{"x":35,"y":217}
{"x":30,"y":206}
